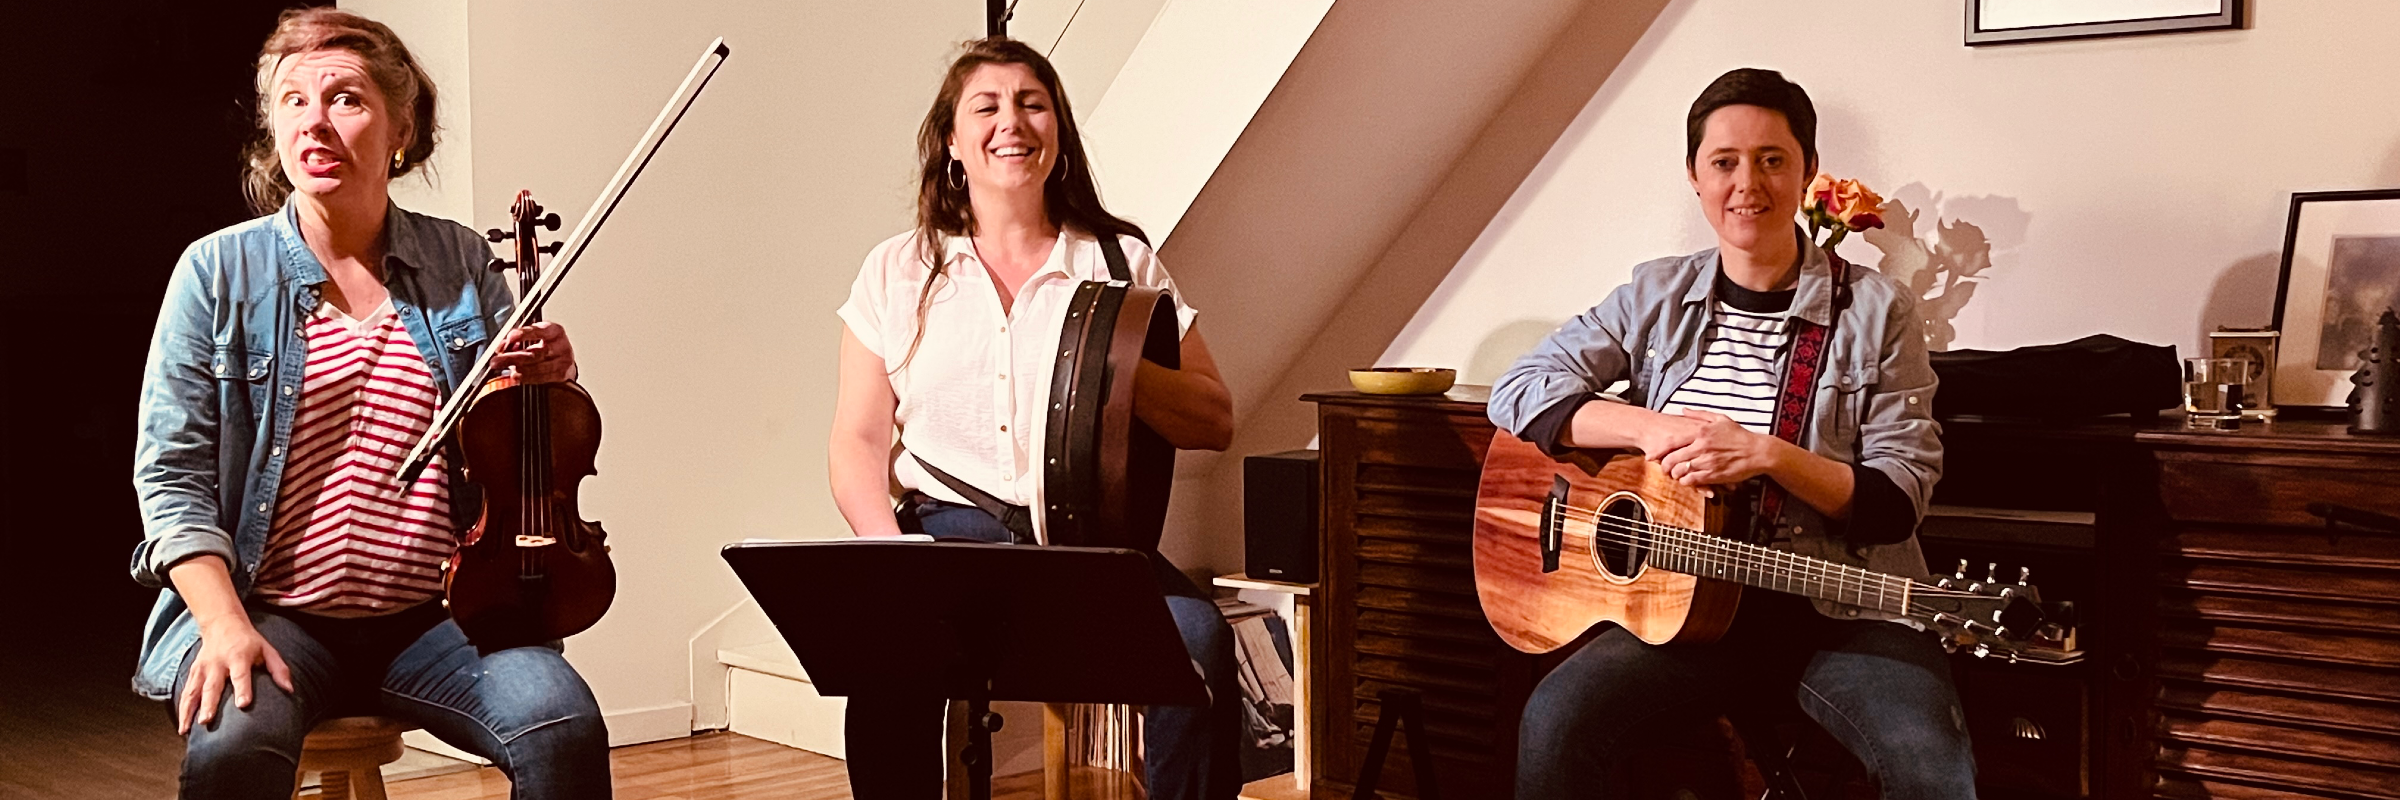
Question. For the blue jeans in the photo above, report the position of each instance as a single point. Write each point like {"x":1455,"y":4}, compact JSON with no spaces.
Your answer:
{"x":1883,"y":690}
{"x":524,"y":708}
{"x":895,"y":744}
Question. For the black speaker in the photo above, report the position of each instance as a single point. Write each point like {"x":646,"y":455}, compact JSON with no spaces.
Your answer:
{"x":1279,"y":516}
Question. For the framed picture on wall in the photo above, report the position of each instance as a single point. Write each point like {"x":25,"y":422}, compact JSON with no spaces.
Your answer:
{"x":2014,"y":21}
{"x":2341,"y":269}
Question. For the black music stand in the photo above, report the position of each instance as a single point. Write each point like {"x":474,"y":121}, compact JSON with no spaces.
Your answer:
{"x":973,"y":622}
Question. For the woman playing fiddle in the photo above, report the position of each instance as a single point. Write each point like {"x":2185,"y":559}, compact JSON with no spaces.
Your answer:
{"x":947,"y":338}
{"x":297,"y":357}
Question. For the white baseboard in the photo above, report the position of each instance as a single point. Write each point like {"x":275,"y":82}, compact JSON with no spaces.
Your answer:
{"x":785,"y":711}
{"x":656,"y":723}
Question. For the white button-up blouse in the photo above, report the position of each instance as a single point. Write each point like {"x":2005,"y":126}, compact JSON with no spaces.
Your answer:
{"x":972,"y":399}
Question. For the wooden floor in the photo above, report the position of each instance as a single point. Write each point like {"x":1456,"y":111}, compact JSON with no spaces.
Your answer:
{"x":727,"y":765}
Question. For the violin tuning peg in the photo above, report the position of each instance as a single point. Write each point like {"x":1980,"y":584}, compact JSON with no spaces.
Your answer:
{"x":548,"y":221}
{"x":2023,"y":574}
{"x":1962,"y":570}
{"x":551,"y":249}
{"x":1991,"y":572}
{"x":498,"y":235}
{"x":500,"y":265}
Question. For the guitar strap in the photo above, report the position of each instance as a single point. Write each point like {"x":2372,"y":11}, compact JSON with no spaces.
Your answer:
{"x":1798,"y":398}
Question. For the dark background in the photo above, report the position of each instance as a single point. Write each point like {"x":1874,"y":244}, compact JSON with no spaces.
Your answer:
{"x":121,"y":127}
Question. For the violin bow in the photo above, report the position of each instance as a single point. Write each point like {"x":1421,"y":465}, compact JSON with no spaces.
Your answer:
{"x":531,"y":302}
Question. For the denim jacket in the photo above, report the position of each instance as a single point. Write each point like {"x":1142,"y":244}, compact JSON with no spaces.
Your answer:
{"x":1874,"y":396}
{"x":224,"y":370}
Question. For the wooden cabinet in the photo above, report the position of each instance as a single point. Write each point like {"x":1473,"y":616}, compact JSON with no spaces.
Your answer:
{"x":2273,"y":666}
{"x":1397,"y":603}
{"x":2235,"y":646}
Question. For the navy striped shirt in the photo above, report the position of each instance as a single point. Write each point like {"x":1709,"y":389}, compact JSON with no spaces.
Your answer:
{"x":1738,"y":375}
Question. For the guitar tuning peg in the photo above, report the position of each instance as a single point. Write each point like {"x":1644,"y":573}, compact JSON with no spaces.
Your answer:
{"x":1962,"y":570}
{"x":551,"y":249}
{"x":500,"y":264}
{"x":2023,"y":573}
{"x":1991,"y":572}
{"x":498,"y":235}
{"x":548,"y":221}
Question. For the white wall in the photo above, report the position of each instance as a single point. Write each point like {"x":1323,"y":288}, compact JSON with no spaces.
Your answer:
{"x":2132,"y":186}
{"x":436,"y":33}
{"x":1183,"y":97}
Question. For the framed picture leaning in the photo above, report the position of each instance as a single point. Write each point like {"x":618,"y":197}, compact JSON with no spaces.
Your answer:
{"x":2013,"y":21}
{"x":2341,"y":269}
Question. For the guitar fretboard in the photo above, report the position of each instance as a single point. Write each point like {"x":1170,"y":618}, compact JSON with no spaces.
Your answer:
{"x":1699,"y":553}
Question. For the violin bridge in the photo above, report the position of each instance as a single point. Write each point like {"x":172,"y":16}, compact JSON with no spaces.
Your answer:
{"x":527,"y":540}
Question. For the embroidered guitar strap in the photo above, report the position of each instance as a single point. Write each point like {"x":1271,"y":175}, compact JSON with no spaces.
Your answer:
{"x":1798,"y":398}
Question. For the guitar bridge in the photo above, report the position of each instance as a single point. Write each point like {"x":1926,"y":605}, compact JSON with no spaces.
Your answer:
{"x":1554,"y":535}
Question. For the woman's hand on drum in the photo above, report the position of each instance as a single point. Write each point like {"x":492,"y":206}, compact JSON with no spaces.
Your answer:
{"x":229,"y":650}
{"x":539,"y":352}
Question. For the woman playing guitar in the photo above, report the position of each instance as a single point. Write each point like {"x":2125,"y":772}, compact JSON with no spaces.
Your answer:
{"x":948,"y":336}
{"x":296,"y":358}
{"x":1704,"y":341}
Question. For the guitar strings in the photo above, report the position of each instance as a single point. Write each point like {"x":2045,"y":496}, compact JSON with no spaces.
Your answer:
{"x":1722,"y":545}
{"x":1690,"y":543}
{"x":1693,"y":543}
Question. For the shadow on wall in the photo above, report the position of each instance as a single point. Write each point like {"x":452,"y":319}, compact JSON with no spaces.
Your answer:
{"x":2243,"y":295}
{"x":1942,"y":263}
{"x":1502,"y":347}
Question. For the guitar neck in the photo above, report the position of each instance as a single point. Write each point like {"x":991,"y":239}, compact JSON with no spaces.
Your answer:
{"x":1708,"y":556}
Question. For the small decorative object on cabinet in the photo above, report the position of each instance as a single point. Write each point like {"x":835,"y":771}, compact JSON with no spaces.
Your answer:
{"x":2257,"y":346}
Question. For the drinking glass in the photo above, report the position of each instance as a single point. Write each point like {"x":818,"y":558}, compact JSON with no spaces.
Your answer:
{"x":2212,"y":392}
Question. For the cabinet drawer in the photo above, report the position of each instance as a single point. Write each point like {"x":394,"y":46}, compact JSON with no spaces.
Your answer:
{"x":2273,"y":490}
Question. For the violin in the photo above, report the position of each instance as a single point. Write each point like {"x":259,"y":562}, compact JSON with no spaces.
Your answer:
{"x":531,"y":569}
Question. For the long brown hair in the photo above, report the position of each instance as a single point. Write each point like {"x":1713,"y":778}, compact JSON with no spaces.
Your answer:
{"x":403,"y":81}
{"x":1069,"y":196}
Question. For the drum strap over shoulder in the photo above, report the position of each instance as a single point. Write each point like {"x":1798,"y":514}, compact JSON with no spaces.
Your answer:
{"x":1114,"y":254}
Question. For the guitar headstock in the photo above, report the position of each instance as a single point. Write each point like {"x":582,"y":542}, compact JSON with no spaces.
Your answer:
{"x":1991,"y":617}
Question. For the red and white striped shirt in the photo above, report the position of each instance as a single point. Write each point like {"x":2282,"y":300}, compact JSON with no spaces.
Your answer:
{"x":348,"y":539}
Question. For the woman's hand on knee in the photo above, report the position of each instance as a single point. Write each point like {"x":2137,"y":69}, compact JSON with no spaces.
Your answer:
{"x":228,"y":652}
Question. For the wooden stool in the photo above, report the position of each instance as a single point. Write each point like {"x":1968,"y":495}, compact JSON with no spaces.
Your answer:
{"x":349,"y":754}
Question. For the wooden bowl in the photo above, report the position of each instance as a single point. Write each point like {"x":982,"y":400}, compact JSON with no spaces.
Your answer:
{"x":1403,"y":380}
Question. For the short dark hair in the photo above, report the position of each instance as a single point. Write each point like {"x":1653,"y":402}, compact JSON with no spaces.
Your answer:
{"x":1764,"y":88}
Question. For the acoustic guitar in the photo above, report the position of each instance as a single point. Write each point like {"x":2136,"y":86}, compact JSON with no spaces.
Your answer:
{"x":1563,"y":544}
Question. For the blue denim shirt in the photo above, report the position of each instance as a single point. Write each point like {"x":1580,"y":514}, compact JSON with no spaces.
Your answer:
{"x":1874,"y":397}
{"x":224,"y":371}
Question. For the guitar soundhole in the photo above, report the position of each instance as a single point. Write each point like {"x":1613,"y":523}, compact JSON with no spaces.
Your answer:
{"x":1621,"y":539}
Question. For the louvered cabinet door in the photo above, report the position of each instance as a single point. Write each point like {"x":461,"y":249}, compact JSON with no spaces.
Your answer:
{"x":2276,"y":651}
{"x":1398,"y":607}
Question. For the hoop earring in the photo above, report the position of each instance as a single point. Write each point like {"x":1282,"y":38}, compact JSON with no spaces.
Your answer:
{"x":958,"y":177}
{"x":1061,"y":167}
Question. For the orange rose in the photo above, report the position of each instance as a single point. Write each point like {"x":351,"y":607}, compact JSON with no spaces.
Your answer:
{"x":1856,"y":205}
{"x":1845,"y":202}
